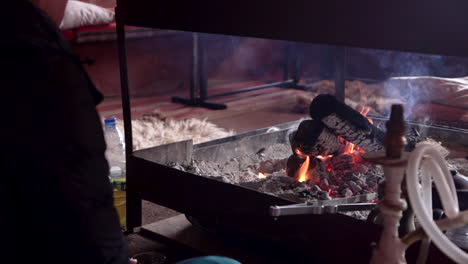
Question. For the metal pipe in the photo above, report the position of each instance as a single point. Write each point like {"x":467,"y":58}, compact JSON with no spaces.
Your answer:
{"x":127,"y":116}
{"x":296,"y":62}
{"x":259,"y":87}
{"x":133,"y":198}
{"x":194,"y":67}
{"x":202,"y":77}
{"x":302,"y":209}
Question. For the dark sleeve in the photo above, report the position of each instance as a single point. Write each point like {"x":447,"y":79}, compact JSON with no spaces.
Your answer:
{"x":56,"y":158}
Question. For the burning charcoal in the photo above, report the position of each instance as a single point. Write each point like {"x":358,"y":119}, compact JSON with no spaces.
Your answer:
{"x":412,"y":138}
{"x":281,"y":173}
{"x":287,"y":181}
{"x":461,"y":181}
{"x":315,"y":189}
{"x":361,"y":184}
{"x":178,"y":167}
{"x":346,"y":122}
{"x":313,"y":138}
{"x":279,"y":164}
{"x":324,"y":184}
{"x":261,"y":151}
{"x":293,"y":164}
{"x":323,"y":195}
{"x":341,"y":162}
{"x":459,"y":165}
{"x":266,"y":166}
{"x":305,"y":193}
{"x":347,"y":193}
{"x":356,"y":177}
{"x":320,"y":168}
{"x":193,"y":169}
{"x":355,"y":188}
{"x":360,"y":168}
{"x":254,"y":185}
{"x":270,"y":187}
{"x":292,"y":196}
{"x":348,"y":174}
{"x":372,"y":184}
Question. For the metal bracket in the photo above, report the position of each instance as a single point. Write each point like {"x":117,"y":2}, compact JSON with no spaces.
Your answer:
{"x":302,"y":209}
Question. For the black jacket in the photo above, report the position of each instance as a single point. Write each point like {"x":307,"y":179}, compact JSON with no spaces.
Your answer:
{"x":56,"y":201}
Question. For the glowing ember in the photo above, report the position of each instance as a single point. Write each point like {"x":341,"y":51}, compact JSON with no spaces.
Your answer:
{"x":324,"y":158}
{"x":262,"y":175}
{"x":303,"y":172}
{"x":300,"y":153}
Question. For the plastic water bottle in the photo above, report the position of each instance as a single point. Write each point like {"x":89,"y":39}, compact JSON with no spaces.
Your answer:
{"x":115,"y":152}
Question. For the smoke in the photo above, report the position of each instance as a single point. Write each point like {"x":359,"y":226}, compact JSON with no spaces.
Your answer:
{"x":397,"y":66}
{"x":243,"y":58}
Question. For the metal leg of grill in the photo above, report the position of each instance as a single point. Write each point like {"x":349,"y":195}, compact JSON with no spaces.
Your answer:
{"x":292,"y":69}
{"x":198,"y":80}
{"x":133,"y":199}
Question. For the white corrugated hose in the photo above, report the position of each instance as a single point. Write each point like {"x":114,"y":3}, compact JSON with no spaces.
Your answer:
{"x":425,"y":165}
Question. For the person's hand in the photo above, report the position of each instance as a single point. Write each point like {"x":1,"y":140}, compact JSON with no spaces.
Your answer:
{"x":133,"y":261}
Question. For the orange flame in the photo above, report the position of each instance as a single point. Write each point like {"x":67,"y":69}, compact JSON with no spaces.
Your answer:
{"x":303,"y":172}
{"x":300,"y":154}
{"x":261,"y":175}
{"x":350,"y":148}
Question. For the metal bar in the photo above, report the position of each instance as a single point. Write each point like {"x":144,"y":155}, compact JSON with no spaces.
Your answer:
{"x":367,"y":80}
{"x":194,"y":67}
{"x":292,"y":65}
{"x":286,"y":64}
{"x":199,"y":81}
{"x":296,"y":62}
{"x":133,"y":200}
{"x":199,"y":103}
{"x":425,"y":126}
{"x":327,"y":62}
{"x":356,"y":207}
{"x":259,"y":87}
{"x":448,"y":105}
{"x":340,"y":73}
{"x":124,"y":86}
{"x":276,"y":211}
{"x":202,"y":77}
{"x":301,"y":209}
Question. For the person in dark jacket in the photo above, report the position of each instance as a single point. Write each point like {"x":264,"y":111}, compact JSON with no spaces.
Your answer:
{"x":55,"y":196}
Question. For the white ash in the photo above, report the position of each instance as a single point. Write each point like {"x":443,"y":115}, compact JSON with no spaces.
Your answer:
{"x":460,"y":165}
{"x":244,"y":168}
{"x":345,"y":181}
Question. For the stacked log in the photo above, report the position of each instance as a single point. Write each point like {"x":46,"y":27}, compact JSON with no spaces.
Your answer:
{"x":346,"y":122}
{"x":334,"y":124}
{"x":313,"y":138}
